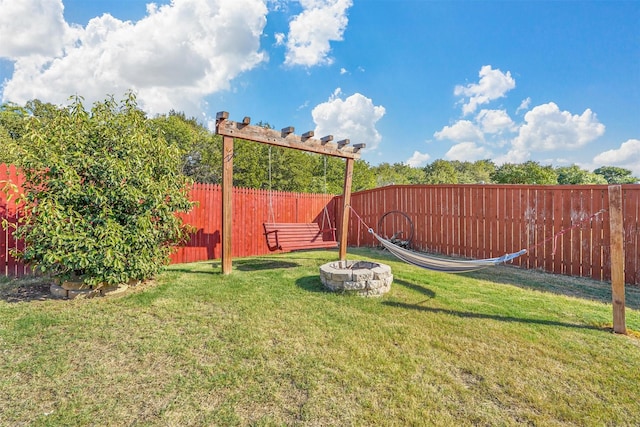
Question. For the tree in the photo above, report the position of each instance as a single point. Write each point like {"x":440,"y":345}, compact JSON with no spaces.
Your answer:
{"x":575,"y":175}
{"x":526,"y":173}
{"x":616,"y":175}
{"x":364,"y":177}
{"x":101,"y":192}
{"x":441,"y":172}
{"x":13,"y":119}
{"x":474,"y":173}
{"x":201,"y":150}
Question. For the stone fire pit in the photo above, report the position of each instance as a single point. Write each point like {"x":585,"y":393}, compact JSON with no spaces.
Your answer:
{"x":361,"y":277}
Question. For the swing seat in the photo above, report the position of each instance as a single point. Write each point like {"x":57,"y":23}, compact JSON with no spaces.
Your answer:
{"x":296,"y":236}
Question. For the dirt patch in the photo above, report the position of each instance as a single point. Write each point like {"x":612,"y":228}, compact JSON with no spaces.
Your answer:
{"x":25,"y":290}
{"x":29,"y":289}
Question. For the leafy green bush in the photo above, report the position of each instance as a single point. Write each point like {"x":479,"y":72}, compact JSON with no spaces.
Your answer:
{"x":102,"y":189}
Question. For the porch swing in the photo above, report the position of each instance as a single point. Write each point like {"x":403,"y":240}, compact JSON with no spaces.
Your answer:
{"x":294,"y":236}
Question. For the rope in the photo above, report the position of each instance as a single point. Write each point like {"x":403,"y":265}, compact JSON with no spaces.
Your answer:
{"x":271,"y":216}
{"x":563,"y":231}
{"x":361,"y":220}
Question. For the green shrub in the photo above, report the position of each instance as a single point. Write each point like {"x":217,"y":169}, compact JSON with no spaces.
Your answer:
{"x":102,"y":189}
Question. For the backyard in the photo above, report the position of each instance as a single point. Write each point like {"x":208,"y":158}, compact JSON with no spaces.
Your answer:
{"x":267,"y":345}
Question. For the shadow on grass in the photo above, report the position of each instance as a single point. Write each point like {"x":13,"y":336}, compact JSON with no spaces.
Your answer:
{"x":252,"y":264}
{"x":470,"y":315}
{"x":311,"y":284}
{"x":215,"y":270}
{"x":418,"y":288}
{"x":571,"y":286}
{"x":263,"y":264}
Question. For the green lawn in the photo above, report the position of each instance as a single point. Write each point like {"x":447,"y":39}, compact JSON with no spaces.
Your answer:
{"x":267,"y":345}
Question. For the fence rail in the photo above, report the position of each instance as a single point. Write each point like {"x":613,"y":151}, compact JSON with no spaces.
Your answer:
{"x":485,"y":221}
{"x":472,"y":221}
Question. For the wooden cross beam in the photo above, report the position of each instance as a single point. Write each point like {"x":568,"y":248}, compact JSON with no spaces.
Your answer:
{"x":285,"y":138}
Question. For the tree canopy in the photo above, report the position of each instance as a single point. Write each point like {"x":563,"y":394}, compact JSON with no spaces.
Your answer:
{"x":616,"y":175}
{"x":101,"y":190}
{"x":299,"y":171}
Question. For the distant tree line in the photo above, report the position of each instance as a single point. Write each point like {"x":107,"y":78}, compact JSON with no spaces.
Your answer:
{"x":261,"y":166}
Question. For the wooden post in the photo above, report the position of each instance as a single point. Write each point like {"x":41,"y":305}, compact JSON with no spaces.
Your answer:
{"x":227,"y":202}
{"x":344,"y":226}
{"x":616,"y":222}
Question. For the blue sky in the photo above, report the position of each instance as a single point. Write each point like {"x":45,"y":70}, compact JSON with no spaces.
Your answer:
{"x":556,"y":82}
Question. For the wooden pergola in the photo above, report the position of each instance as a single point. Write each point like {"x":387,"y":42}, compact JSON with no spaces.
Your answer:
{"x":283,"y":138}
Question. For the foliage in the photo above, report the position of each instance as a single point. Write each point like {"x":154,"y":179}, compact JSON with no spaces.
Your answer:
{"x":575,"y":175}
{"x":101,"y":192}
{"x":526,"y":173}
{"x":441,"y":172}
{"x":397,"y":174}
{"x":201,"y":150}
{"x":364,"y":176}
{"x":616,"y":175}
{"x":12,"y":127}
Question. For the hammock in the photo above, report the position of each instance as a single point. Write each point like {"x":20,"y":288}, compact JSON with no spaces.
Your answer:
{"x":442,"y":264}
{"x":461,"y":266}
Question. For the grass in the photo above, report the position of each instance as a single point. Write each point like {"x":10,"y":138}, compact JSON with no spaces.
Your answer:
{"x":267,"y":345}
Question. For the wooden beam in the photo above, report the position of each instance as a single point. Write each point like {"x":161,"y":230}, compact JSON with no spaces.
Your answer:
{"x":283,"y":138}
{"x":326,"y":139}
{"x":616,"y":223}
{"x":343,"y":143}
{"x":227,"y":198}
{"x":307,"y":135}
{"x":344,"y":225}
{"x":288,"y":131}
{"x":246,"y":121}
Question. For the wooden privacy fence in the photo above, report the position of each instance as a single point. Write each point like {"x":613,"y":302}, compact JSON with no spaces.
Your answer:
{"x":9,"y":215}
{"x":485,"y":221}
{"x":473,"y":221}
{"x":251,"y":209}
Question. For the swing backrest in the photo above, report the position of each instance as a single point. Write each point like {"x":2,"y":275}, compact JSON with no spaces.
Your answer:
{"x":293,"y":236}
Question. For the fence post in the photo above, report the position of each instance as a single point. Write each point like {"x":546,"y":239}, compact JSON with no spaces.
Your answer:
{"x":616,"y":222}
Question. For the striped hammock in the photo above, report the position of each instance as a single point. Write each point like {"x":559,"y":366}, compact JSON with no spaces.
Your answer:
{"x":442,"y":264}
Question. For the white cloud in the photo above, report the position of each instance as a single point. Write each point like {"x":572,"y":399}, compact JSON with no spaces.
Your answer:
{"x":310,"y":32}
{"x":547,"y":128}
{"x":524,"y":105}
{"x":354,"y":117}
{"x":461,"y":131}
{"x":32,"y":27}
{"x":418,"y":159}
{"x":627,"y":156}
{"x":467,"y":151}
{"x":277,"y":5}
{"x":280,"y":38}
{"x":493,"y":84}
{"x":172,"y":58}
{"x":343,"y":71}
{"x":494,"y":121}
{"x":512,"y":156}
